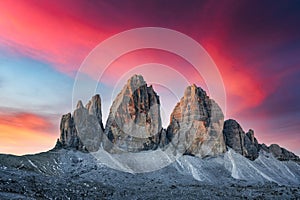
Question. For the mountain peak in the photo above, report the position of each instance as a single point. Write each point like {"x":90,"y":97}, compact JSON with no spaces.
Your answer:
{"x":136,"y":80}
{"x":134,"y":120}
{"x":194,"y":91}
{"x":79,"y":104}
{"x":196,"y":124}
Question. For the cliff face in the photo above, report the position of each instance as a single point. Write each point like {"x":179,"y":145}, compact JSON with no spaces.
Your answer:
{"x":243,"y":143}
{"x":68,"y":133}
{"x":134,"y":121}
{"x":196,"y":125}
{"x":83,"y":130}
{"x":247,"y":145}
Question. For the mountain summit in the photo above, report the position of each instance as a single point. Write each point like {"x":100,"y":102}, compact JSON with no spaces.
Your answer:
{"x":196,"y":124}
{"x":134,"y":121}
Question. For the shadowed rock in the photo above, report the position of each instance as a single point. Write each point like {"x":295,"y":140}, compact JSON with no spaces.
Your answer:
{"x":88,"y":129}
{"x":83,"y":130}
{"x":235,"y":138}
{"x":68,"y":133}
{"x":248,"y":146}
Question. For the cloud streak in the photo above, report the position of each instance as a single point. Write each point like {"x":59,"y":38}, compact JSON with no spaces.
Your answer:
{"x":25,"y":132}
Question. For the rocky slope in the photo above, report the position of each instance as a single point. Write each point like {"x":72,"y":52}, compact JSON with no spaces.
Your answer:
{"x":68,"y":174}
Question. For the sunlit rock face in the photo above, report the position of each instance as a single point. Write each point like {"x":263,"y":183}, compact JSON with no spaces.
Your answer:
{"x":196,"y":125}
{"x":134,"y":121}
{"x":243,"y":143}
{"x":83,"y":130}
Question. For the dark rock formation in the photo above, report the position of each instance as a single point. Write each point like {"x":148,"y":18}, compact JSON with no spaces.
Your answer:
{"x":235,"y":138}
{"x":196,"y":125}
{"x":134,"y":121}
{"x":88,"y":128}
{"x":248,"y":146}
{"x":280,"y":153}
{"x":83,"y":130}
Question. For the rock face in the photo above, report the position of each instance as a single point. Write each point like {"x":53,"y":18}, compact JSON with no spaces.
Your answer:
{"x":248,"y":146}
{"x":134,"y":121}
{"x":83,"y":130}
{"x":235,"y":138}
{"x":196,"y":125}
{"x":94,"y":108}
{"x":68,"y":133}
{"x":280,"y":153}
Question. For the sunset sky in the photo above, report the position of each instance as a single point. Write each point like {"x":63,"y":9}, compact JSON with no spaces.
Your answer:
{"x":256,"y":47}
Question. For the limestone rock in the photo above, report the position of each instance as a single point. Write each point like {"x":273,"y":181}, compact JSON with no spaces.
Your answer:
{"x":83,"y":130}
{"x":94,"y":108}
{"x":134,"y":120}
{"x":88,"y":129}
{"x":248,"y":146}
{"x":280,"y":153}
{"x":235,"y":138}
{"x":68,"y":133}
{"x":196,"y":125}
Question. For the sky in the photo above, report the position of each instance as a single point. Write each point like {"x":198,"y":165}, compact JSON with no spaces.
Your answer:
{"x":255,"y":45}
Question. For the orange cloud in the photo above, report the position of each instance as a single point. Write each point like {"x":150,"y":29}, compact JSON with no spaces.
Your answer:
{"x":24,"y":133}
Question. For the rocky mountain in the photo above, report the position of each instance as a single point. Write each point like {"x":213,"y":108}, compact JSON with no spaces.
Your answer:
{"x":134,"y":121}
{"x":196,"y":125}
{"x":134,"y":124}
{"x":90,"y":162}
{"x":279,"y":152}
{"x":247,"y":145}
{"x":243,"y":143}
{"x":84,"y":129}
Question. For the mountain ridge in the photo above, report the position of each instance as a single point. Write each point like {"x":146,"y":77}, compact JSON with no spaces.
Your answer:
{"x":226,"y":162}
{"x":196,"y":121}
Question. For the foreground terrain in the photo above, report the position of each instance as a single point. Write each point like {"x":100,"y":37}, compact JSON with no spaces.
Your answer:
{"x":67,"y":174}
